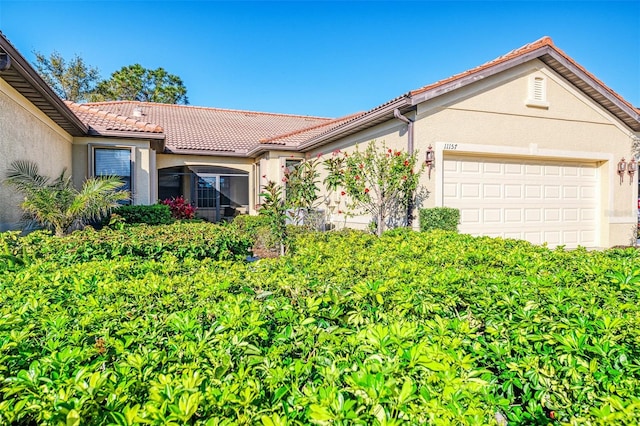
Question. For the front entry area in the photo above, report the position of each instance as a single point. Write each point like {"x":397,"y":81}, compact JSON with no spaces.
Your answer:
{"x":219,"y":193}
{"x":540,"y":201}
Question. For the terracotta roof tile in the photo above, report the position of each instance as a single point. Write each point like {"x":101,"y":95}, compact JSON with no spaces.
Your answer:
{"x":190,"y":128}
{"x":101,"y":120}
{"x":297,"y":136}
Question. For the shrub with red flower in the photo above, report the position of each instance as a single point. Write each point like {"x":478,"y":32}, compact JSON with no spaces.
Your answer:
{"x":376,"y":181}
{"x":180,"y":209}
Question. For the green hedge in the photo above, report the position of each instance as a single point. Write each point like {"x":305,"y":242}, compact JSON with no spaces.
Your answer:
{"x":182,"y":240}
{"x":350,"y":329}
{"x":155,"y":214}
{"x":445,"y":218}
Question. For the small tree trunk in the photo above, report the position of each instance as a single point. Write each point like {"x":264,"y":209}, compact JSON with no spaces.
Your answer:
{"x":380,"y":228}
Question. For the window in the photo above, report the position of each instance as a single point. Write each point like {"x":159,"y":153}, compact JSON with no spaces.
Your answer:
{"x":538,"y":92}
{"x":113,"y":162}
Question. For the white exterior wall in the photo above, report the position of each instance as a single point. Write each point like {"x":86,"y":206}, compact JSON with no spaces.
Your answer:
{"x":26,"y":133}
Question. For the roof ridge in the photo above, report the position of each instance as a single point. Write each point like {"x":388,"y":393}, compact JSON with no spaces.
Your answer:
{"x":529,"y":47}
{"x":306,"y":129}
{"x":142,"y":125}
{"x":142,"y":103}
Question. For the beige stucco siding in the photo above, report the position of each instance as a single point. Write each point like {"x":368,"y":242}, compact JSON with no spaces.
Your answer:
{"x":27,"y":134}
{"x":494,"y":117}
{"x":143,"y":162}
{"x":392,"y":133}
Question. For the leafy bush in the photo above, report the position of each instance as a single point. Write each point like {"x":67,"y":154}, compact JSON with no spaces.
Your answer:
{"x":179,"y":207}
{"x":445,"y":218}
{"x":408,"y":328}
{"x":182,"y":240}
{"x":156,"y":214}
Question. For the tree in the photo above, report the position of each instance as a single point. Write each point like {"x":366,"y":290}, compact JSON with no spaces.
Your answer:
{"x":73,"y":80}
{"x":57,"y":204}
{"x":380,"y":182}
{"x":136,"y":83}
{"x":274,"y":207}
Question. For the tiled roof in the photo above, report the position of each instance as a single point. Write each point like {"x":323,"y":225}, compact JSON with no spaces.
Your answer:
{"x":101,"y":120}
{"x":295,"y":137}
{"x":189,"y":128}
{"x":545,"y":44}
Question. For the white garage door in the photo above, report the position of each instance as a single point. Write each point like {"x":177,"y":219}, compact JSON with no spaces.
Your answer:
{"x":538,"y":201}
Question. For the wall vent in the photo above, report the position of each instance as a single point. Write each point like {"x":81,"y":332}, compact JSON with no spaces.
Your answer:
{"x":537,"y":92}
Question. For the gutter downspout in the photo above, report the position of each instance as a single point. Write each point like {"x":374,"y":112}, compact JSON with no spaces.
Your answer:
{"x":396,"y":114}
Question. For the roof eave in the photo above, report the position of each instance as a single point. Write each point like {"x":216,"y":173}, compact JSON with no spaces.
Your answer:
{"x":602,"y":95}
{"x":368,"y":119}
{"x":595,"y":89}
{"x":237,"y":153}
{"x":157,"y":139}
{"x":31,"y":77}
{"x":422,"y":96}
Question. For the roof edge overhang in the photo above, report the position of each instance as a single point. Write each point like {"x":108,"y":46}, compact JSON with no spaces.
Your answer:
{"x":368,"y":119}
{"x":558,"y":62}
{"x":238,"y":153}
{"x":28,"y":74}
{"x":157,"y":140}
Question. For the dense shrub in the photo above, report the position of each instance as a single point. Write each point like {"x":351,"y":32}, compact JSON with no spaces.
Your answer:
{"x":408,"y":328}
{"x":156,"y":214}
{"x":444,"y":218}
{"x":182,"y":240}
{"x":180,"y":208}
{"x":258,"y":228}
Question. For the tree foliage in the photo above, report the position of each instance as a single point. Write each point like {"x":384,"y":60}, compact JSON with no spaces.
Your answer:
{"x":380,"y":182}
{"x":136,"y":83}
{"x":71,"y":80}
{"x":57,"y":204}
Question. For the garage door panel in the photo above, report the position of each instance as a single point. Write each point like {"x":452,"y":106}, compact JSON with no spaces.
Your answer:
{"x":539,"y":201}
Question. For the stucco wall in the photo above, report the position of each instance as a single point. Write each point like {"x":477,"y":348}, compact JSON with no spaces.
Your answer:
{"x":27,"y":134}
{"x":493,"y":115}
{"x":143,"y":160}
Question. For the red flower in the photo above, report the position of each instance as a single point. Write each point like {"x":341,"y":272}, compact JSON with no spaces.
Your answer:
{"x":404,"y":178}
{"x":336,"y":152}
{"x":366,"y":190}
{"x":343,"y":193}
{"x":389,"y":151}
{"x":284,"y":179}
{"x":339,"y":211}
{"x":357,"y":177}
{"x":406,"y":163}
{"x":361,"y":166}
{"x":398,"y":153}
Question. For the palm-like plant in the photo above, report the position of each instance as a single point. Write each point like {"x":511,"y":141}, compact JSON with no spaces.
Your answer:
{"x":57,"y":204}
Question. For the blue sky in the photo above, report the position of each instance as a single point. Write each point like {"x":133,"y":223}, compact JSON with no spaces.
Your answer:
{"x":323,"y":58}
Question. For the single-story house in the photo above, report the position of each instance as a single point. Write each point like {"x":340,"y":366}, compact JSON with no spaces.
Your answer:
{"x":527,"y":146}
